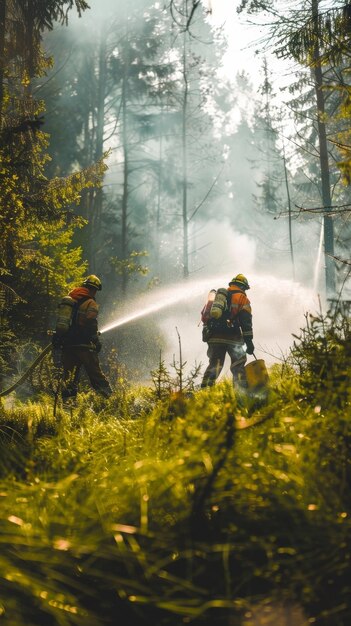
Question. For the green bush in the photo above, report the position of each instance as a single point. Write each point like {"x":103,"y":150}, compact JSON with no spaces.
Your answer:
{"x":182,"y":508}
{"x":322,"y":355}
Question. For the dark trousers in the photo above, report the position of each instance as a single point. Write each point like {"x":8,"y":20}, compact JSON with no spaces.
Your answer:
{"x":73,"y":359}
{"x":216,"y":353}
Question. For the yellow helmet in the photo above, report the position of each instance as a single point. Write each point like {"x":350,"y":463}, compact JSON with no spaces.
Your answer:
{"x":92,"y":281}
{"x":241,"y":281}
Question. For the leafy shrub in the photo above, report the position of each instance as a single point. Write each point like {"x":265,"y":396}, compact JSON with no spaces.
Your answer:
{"x":178,"y":510}
{"x":322,"y":355}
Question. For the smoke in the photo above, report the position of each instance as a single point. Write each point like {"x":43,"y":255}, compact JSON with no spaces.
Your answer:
{"x":279,"y":308}
{"x":230,"y":234}
{"x":222,"y":248}
{"x":100,"y":10}
{"x":279,"y":305}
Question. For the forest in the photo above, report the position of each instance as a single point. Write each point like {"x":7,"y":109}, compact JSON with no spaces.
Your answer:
{"x":142,"y":157}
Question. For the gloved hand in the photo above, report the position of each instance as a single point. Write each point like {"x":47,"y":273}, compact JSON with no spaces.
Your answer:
{"x":98,"y":345}
{"x":250,"y":348}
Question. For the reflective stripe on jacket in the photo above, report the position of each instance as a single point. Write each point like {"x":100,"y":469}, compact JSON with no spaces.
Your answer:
{"x":240,"y":310}
{"x":236,"y":324}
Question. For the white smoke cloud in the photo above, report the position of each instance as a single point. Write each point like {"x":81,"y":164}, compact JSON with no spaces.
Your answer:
{"x":226,"y":250}
{"x":279,"y":308}
{"x":279,"y":305}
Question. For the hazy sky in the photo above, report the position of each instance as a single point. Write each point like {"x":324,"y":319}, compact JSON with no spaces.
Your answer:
{"x":245,"y":36}
{"x":240,"y":35}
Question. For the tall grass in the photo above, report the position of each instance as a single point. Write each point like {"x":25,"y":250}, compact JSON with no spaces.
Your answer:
{"x":164,"y":511}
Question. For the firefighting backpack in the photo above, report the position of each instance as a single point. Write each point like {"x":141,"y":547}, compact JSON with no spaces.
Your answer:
{"x":67,"y":314}
{"x":213,"y":315}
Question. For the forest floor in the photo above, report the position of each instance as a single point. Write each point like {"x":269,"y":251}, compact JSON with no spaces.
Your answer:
{"x":184,"y":508}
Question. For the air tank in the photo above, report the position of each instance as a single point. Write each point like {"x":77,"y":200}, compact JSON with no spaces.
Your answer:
{"x":205,"y":313}
{"x":219,"y":304}
{"x":64,"y":316}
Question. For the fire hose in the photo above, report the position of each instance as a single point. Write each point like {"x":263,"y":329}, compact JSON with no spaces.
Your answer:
{"x":25,"y":375}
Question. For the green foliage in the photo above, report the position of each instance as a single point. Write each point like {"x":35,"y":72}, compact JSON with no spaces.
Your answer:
{"x":161,"y":379}
{"x":37,"y":257}
{"x":252,"y":6}
{"x":7,"y":345}
{"x":165,"y":383}
{"x":57,"y":10}
{"x":322,"y":354}
{"x":8,"y":297}
{"x":300,"y":31}
{"x":54,"y":255}
{"x":49,"y":269}
{"x":130,"y":266}
{"x":169,"y":510}
{"x":343,"y":137}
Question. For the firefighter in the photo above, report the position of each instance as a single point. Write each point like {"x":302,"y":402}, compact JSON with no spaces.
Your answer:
{"x":229,"y":334}
{"x":78,"y":338}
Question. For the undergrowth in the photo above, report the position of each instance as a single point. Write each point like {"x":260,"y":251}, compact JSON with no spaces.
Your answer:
{"x":171,"y":508}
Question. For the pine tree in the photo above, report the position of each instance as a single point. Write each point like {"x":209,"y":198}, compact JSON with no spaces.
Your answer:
{"x":29,"y":201}
{"x":315,"y":36}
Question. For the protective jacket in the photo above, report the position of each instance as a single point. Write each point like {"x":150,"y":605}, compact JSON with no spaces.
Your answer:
{"x":84,"y":329}
{"x":235,"y":325}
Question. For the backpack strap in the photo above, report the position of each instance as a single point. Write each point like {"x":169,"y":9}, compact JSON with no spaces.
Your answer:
{"x":76,"y":308}
{"x":229,"y":300}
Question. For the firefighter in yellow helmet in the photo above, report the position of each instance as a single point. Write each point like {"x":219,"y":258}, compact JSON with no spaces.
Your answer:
{"x":228,"y":332}
{"x":78,"y":337}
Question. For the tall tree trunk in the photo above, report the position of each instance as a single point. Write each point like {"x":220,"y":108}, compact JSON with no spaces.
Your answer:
{"x":100,"y":105}
{"x":30,"y":43}
{"x":159,"y":195}
{"x":2,"y":54}
{"x":289,"y":210}
{"x":87,"y":98}
{"x":95,"y":218}
{"x":323,"y":158}
{"x":185,"y":165}
{"x":124,"y":216}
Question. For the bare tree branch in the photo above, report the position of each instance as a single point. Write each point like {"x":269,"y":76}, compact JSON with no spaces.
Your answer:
{"x":342,"y":208}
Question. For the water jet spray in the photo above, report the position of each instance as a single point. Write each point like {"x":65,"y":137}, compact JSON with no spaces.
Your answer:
{"x":279,"y":307}
{"x":318,"y":260}
{"x":157,"y":301}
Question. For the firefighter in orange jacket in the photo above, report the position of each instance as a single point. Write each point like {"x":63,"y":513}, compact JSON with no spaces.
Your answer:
{"x":80,"y":344}
{"x":229,"y":334}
